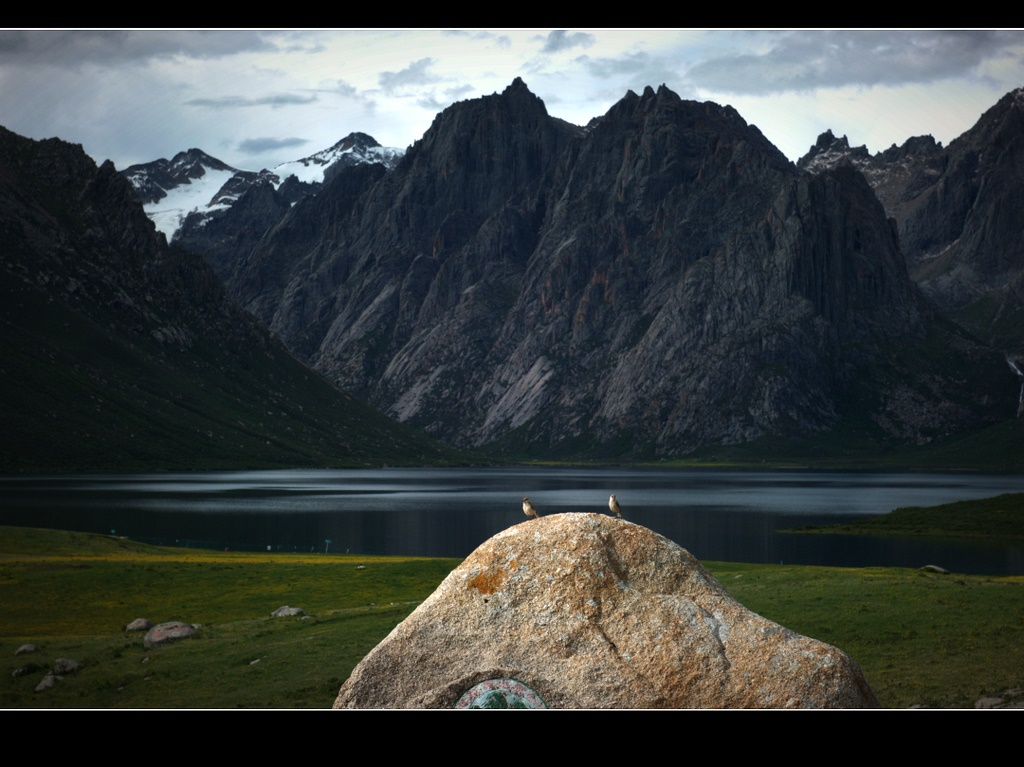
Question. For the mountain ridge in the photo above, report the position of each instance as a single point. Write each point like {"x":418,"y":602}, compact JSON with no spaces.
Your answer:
{"x":662,"y":280}
{"x":955,"y":210}
{"x":184,"y":193}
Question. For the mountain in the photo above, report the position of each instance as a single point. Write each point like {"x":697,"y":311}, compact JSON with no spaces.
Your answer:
{"x":661,"y":281}
{"x":354,"y":149}
{"x":118,"y":351}
{"x":958,"y":213}
{"x":184,"y":194}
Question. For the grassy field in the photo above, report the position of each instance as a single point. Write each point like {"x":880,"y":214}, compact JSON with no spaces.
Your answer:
{"x":922,"y":639}
{"x":998,"y":517}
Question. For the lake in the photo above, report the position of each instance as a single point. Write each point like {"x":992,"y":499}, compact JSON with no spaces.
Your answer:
{"x":726,"y":514}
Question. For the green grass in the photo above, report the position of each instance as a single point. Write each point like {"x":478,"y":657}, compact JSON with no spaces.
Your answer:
{"x":998,"y":517}
{"x":70,"y":594}
{"x":921,"y":639}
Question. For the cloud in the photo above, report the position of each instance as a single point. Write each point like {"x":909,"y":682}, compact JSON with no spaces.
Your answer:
{"x":72,"y":48}
{"x":234,"y":102}
{"x":501,"y":41}
{"x":560,"y":40}
{"x":414,"y":74}
{"x":800,"y":61}
{"x":456,"y":92}
{"x":343,"y":88}
{"x":651,"y":69}
{"x":431,"y":103}
{"x":636,"y":71}
{"x":266,"y":144}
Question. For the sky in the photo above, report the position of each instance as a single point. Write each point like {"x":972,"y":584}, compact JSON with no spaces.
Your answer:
{"x":255,"y":98}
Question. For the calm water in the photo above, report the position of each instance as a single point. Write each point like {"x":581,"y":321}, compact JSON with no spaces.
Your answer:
{"x":715,"y":514}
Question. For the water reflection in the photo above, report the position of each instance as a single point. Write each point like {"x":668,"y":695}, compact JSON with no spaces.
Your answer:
{"x":716,"y":514}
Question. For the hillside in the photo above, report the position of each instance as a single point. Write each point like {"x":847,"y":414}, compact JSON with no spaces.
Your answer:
{"x":117,"y":351}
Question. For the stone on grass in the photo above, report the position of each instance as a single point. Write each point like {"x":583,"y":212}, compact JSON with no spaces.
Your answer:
{"x":588,"y":611}
{"x":139,"y":624}
{"x":48,"y":681}
{"x":167,"y":632}
{"x":65,"y":666}
{"x":286,"y":611}
{"x":28,"y":668}
{"x":28,"y":647}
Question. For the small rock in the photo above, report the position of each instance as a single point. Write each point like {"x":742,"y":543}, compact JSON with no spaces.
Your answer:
{"x":935,"y":569}
{"x":139,"y":624}
{"x":989,"y":703}
{"x":25,"y":649}
{"x":286,"y":611}
{"x":167,"y":632}
{"x":65,"y":666}
{"x":48,"y":681}
{"x":28,"y":668}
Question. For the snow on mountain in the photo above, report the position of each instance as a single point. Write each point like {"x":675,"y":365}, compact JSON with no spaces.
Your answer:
{"x":354,"y":149}
{"x":193,"y":182}
{"x":169,"y":212}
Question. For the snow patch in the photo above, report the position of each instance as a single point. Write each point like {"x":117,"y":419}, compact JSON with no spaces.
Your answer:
{"x":169,"y":212}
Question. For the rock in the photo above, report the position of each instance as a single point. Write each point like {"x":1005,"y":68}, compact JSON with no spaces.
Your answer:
{"x":25,"y":649}
{"x":989,"y":703}
{"x":586,"y":611}
{"x":1012,"y":698}
{"x":139,"y":624}
{"x":167,"y":632}
{"x":935,"y":569}
{"x":28,"y":668}
{"x":48,"y":681}
{"x":65,"y":666}
{"x":285,"y":612}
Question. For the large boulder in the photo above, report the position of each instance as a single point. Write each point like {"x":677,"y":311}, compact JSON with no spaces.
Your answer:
{"x":587,"y":611}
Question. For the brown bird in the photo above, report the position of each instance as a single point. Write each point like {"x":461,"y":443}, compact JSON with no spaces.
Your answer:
{"x":529,"y":510}
{"x":614,"y":506}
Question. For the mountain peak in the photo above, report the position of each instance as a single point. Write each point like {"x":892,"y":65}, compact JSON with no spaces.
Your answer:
{"x":517,"y":85}
{"x":519,"y":94}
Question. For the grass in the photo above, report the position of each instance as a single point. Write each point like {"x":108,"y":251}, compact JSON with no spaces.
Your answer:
{"x":70,"y":594}
{"x":922,"y":639}
{"x":998,"y":517}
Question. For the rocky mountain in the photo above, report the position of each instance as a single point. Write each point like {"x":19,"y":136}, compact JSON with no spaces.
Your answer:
{"x":184,"y":194}
{"x":957,"y":209}
{"x":662,"y":280}
{"x":118,"y":351}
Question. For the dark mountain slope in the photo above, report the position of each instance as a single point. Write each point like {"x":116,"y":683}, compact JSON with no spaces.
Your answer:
{"x":119,"y":352}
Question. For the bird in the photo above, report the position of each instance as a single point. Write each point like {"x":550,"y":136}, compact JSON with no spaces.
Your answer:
{"x":614,"y":506}
{"x":529,"y":510}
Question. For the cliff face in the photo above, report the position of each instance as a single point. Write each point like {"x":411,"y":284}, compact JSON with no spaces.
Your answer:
{"x":966,"y":236}
{"x":958,"y":213}
{"x":662,"y":280}
{"x":119,"y":351}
